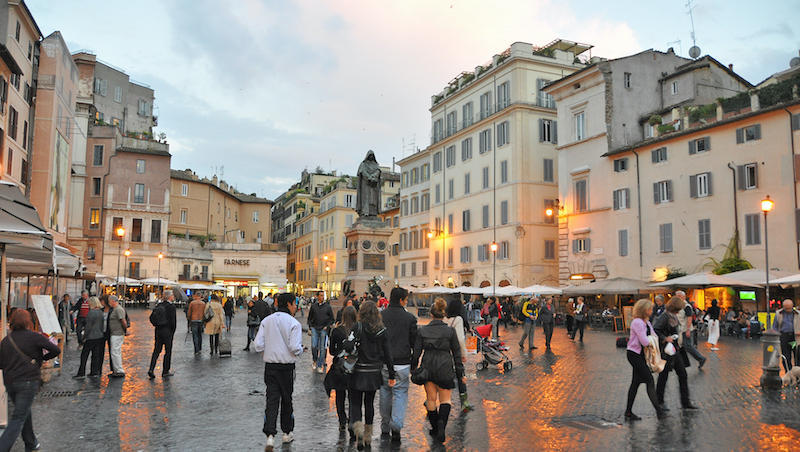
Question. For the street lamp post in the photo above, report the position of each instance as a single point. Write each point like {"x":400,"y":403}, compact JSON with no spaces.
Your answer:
{"x":766,"y":206}
{"x":158,"y":279}
{"x":494,"y":267}
{"x":125,"y":273}
{"x":120,"y":233}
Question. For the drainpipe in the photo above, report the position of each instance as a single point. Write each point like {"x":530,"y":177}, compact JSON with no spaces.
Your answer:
{"x":639,"y":199}
{"x":794,"y":169}
{"x":735,"y":204}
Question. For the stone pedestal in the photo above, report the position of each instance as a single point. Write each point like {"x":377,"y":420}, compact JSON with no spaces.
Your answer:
{"x":368,"y":250}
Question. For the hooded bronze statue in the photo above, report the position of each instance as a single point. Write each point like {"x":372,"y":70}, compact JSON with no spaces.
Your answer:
{"x":368,"y":194}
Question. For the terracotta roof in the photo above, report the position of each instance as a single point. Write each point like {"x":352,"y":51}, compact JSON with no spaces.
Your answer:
{"x":183,"y":175}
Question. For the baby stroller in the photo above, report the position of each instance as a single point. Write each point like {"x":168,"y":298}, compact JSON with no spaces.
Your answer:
{"x":492,"y":350}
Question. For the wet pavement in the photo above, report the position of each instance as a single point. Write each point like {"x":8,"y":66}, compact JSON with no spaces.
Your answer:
{"x":572,"y":398}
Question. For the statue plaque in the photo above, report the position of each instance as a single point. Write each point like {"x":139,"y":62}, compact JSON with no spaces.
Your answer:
{"x":374,"y":262}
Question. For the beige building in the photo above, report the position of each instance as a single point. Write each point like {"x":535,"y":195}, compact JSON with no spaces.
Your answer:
{"x":488,"y":175}
{"x":213,"y":209}
{"x":668,"y":184}
{"x":19,"y":37}
{"x":56,"y":93}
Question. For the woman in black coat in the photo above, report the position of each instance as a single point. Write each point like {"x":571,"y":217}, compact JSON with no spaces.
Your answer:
{"x":337,"y":379}
{"x":442,"y":361}
{"x":667,"y":326}
{"x":369,"y":336}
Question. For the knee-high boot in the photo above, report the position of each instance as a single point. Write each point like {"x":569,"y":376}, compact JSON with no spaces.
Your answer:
{"x":444,"y":415}
{"x":433,"y":417}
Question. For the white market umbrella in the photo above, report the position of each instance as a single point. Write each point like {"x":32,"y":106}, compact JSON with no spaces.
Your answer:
{"x":704,"y":280}
{"x":542,"y":290}
{"x":757,"y":275}
{"x":437,"y":290}
{"x":158,"y":282}
{"x":613,"y":286}
{"x":195,"y":286}
{"x":216,"y":287}
{"x":470,"y":290}
{"x":124,"y":280}
{"x":788,"y":280}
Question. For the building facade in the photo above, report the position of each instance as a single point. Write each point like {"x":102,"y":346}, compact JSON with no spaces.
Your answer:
{"x":657,"y":174}
{"x":488,"y":175}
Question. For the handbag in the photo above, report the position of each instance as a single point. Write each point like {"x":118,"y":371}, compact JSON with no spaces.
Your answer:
{"x":420,"y":376}
{"x":252,"y":320}
{"x":208,"y":314}
{"x":652,"y":354}
{"x":348,"y":359}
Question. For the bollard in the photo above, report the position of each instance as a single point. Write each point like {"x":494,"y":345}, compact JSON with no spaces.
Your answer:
{"x":771,"y":378}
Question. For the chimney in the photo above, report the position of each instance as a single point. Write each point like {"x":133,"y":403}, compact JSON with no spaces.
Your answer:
{"x":730,"y":66}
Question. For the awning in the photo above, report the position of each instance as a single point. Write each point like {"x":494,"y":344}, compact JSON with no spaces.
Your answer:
{"x":29,"y":247}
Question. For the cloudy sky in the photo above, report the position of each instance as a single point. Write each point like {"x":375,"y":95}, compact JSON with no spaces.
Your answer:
{"x":260,"y":89}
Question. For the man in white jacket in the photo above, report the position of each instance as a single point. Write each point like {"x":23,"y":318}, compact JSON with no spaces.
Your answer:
{"x":279,"y":338}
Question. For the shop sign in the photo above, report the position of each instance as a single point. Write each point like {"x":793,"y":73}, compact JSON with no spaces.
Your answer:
{"x":242,"y":262}
{"x":235,"y":283}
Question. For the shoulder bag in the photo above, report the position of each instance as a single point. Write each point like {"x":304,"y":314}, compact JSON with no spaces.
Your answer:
{"x":209,"y":314}
{"x":21,"y":353}
{"x":652,"y":353}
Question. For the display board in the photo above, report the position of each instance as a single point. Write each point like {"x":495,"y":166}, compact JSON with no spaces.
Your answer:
{"x":627,"y":311}
{"x":619,"y":324}
{"x":46,"y":313}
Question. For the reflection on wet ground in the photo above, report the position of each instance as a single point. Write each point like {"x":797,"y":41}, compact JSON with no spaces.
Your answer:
{"x":571,"y":398}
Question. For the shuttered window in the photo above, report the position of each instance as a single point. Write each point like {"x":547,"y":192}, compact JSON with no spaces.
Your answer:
{"x":623,"y":242}
{"x":665,"y":237}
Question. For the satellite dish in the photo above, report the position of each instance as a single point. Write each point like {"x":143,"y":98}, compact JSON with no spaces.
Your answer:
{"x":794,"y":62}
{"x":694,"y":52}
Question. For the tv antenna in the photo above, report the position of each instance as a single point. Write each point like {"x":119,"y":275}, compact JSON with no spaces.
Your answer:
{"x":694,"y":51}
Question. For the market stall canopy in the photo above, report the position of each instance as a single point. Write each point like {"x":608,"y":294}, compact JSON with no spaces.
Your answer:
{"x":158,"y":282}
{"x":612,"y":286}
{"x":788,"y":280}
{"x":538,"y":289}
{"x":124,"y":280}
{"x":437,"y":289}
{"x":216,"y":287}
{"x":469,"y":290}
{"x":195,"y":286}
{"x":28,"y":246}
{"x":703,"y":280}
{"x":757,"y":275}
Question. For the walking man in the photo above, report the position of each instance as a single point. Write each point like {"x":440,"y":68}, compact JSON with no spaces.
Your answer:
{"x":118,"y":329}
{"x":194,"y":314}
{"x":401,"y":332}
{"x":529,"y":324}
{"x":570,"y":315}
{"x":687,"y":326}
{"x":320,"y":318}
{"x":787,"y":323}
{"x":548,"y":318}
{"x":280,"y":339}
{"x":164,"y":319}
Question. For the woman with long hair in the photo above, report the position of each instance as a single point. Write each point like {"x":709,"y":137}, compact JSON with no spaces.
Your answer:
{"x":667,"y":326}
{"x":454,"y":320}
{"x":640,"y":329}
{"x":441,"y":358}
{"x":713,"y":324}
{"x":214,"y":325}
{"x":368,"y":335}
{"x":337,"y":379}
{"x":21,"y":356}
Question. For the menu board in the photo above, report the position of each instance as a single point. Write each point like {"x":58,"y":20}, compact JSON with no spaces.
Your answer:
{"x":46,"y":313}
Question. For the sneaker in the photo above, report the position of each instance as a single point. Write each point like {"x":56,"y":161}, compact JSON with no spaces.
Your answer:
{"x":313,"y":366}
{"x":79,"y":377}
{"x":168,"y":374}
{"x":270,"y":443}
{"x":714,"y":349}
{"x":321,"y":370}
{"x":288,"y":438}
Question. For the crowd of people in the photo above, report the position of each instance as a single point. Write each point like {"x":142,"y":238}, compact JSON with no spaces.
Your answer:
{"x":376,"y":345}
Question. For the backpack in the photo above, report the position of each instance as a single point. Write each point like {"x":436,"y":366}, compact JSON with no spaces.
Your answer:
{"x":347,"y":360}
{"x":521,"y":315}
{"x":159,"y":315}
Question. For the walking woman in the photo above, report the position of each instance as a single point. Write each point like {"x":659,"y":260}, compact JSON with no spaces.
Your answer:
{"x":548,"y":318}
{"x":713,"y":325}
{"x":215,"y":323}
{"x":455,"y":321}
{"x":21,"y":356}
{"x":337,"y":379}
{"x":580,"y":318}
{"x":93,"y":340}
{"x":369,"y":336}
{"x":667,"y":327}
{"x":253,"y":322}
{"x":494,"y":313}
{"x":640,"y":329}
{"x":441,"y":357}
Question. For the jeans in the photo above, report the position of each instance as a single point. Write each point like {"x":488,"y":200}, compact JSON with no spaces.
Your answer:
{"x":228,"y":319}
{"x":318,"y":351}
{"x":394,"y":400}
{"x":579,"y":326}
{"x":688,"y":344}
{"x":116,"y":353}
{"x":280,"y":385}
{"x":163,"y":341}
{"x":529,"y":329}
{"x":548,"y":333}
{"x":197,"y":334}
{"x":22,"y":394}
{"x":476,"y":316}
{"x":80,"y":326}
{"x":495,"y":333}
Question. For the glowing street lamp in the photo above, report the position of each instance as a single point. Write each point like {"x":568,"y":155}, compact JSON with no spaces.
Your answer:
{"x":125,"y":272}
{"x":494,"y":266}
{"x":766,"y":206}
{"x":158,"y":279}
{"x":120,"y":231}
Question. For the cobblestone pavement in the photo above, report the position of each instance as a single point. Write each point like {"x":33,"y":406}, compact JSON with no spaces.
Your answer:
{"x":572,"y":398}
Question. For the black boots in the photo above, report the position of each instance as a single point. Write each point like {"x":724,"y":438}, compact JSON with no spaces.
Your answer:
{"x":433,"y":417}
{"x":444,"y":415}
